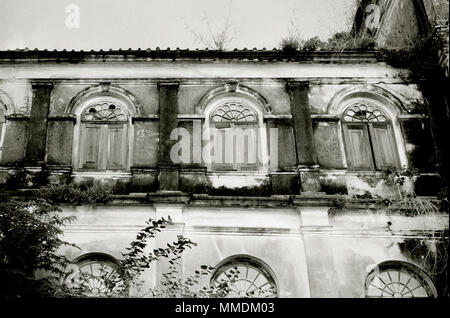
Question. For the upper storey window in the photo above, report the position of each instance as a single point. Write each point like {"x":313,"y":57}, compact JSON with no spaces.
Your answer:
{"x":103,"y":140}
{"x":368,"y":138}
{"x":236,"y":138}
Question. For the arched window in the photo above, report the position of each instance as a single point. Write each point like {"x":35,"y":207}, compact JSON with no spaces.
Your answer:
{"x":245,"y":277}
{"x":395,"y":279}
{"x":368,"y":138}
{"x":96,"y":275}
{"x":236,"y":141}
{"x":103,"y":137}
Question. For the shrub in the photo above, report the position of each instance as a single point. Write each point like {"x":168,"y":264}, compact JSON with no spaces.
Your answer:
{"x":291,"y":43}
{"x":29,"y":241}
{"x":94,"y":194}
{"x":262,"y":190}
{"x":138,"y":257}
{"x":345,"y":41}
{"x":314,"y":44}
{"x":340,"y":41}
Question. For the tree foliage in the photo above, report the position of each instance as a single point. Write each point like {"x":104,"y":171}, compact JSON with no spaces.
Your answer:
{"x":29,"y":240}
{"x":32,"y":266}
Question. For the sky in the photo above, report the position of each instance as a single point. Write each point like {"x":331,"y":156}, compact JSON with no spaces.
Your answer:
{"x":105,"y":24}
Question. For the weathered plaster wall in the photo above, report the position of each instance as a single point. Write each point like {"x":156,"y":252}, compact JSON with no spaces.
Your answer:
{"x":363,"y":239}
{"x":146,"y":94}
{"x":18,"y":92}
{"x":146,"y":139}
{"x":321,"y":94}
{"x":326,"y":137}
{"x":15,"y":142}
{"x":399,"y":25}
{"x":312,"y":253}
{"x":197,"y":79}
{"x":189,"y":96}
{"x":59,"y":142}
{"x":199,"y":70}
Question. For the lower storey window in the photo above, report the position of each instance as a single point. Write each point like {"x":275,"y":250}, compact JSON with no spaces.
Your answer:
{"x":244,"y":277}
{"x":395,"y":279}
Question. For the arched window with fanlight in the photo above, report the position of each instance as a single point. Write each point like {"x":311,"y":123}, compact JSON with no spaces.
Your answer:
{"x":244,"y":277}
{"x":396,"y":279}
{"x":96,"y":275}
{"x":103,"y":137}
{"x":236,"y":139}
{"x":368,"y":138}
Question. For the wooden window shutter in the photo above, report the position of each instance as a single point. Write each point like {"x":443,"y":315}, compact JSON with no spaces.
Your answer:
{"x":357,"y":144}
{"x":115,"y":145}
{"x":248,"y":156}
{"x":90,"y":154}
{"x":223,"y":158}
{"x":383,"y":146}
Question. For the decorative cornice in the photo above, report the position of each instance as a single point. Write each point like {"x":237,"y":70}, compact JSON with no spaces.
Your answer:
{"x":74,"y":57}
{"x":17,"y":117}
{"x":152,"y":117}
{"x":66,"y":117}
{"x":279,"y":117}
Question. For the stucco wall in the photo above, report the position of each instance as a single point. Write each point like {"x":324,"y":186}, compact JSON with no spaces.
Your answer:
{"x":311,"y":252}
{"x":327,"y":83}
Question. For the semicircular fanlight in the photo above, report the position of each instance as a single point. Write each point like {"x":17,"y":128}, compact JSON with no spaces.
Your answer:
{"x":234,"y":112}
{"x":398,"y":280}
{"x":104,"y":111}
{"x":364,"y":113}
{"x":96,"y":277}
{"x":245,"y":279}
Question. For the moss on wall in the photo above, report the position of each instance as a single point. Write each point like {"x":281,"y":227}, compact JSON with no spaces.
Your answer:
{"x":59,"y":142}
{"x":260,"y":190}
{"x":286,"y":144}
{"x":333,"y":185}
{"x":146,"y":143}
{"x":15,"y":142}
{"x":327,"y":144}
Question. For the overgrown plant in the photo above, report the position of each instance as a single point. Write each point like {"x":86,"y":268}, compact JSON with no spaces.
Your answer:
{"x":138,"y":257}
{"x":431,"y":253}
{"x":32,"y":267}
{"x":216,"y":39}
{"x":68,"y":193}
{"x":338,"y":43}
{"x":29,"y":239}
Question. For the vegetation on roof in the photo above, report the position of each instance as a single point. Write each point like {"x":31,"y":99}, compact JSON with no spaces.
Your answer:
{"x":339,"y":42}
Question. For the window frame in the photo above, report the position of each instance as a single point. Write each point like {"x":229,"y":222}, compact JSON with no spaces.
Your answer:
{"x":249,"y":261}
{"x":90,"y":259}
{"x":232,"y":124}
{"x":370,"y":141}
{"x":402,"y":267}
{"x":103,"y":165}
